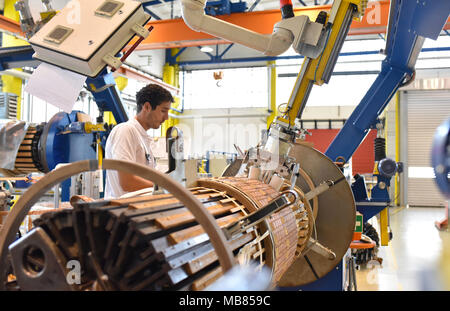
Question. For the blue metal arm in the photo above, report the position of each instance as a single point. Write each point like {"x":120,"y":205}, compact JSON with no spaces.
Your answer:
{"x":365,"y":115}
{"x":107,"y":95}
{"x":410,"y":23}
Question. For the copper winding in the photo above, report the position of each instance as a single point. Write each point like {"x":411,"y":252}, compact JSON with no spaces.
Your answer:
{"x":289,"y":228}
{"x":24,"y":161}
{"x":276,"y":242}
{"x":29,"y":198}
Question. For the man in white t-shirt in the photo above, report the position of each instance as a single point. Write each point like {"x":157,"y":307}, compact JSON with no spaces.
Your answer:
{"x":129,"y":141}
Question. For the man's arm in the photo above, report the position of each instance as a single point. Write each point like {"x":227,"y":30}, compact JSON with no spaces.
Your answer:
{"x":131,"y":183}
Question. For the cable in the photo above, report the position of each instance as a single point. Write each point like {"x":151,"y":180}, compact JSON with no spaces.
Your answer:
{"x":281,"y":105}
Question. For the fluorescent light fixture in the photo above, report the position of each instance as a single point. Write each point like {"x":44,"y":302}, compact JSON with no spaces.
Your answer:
{"x":206,"y":49}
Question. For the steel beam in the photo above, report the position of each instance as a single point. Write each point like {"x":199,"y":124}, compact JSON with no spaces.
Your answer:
{"x":175,"y":33}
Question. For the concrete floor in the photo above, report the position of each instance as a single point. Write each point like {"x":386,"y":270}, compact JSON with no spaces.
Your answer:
{"x":417,"y":257}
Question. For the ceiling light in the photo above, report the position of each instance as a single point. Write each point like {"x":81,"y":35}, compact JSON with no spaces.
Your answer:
{"x":206,"y":49}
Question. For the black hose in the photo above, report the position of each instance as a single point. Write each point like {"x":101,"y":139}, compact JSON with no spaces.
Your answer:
{"x":380,"y":148}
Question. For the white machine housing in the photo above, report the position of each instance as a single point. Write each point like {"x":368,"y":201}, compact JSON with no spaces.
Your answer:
{"x":85,"y":36}
{"x":298,"y":31}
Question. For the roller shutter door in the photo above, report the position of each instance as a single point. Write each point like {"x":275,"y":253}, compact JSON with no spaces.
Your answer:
{"x":426,"y":110}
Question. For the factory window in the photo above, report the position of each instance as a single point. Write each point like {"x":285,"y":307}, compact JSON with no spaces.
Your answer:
{"x":355,"y":71}
{"x":331,"y":94}
{"x":36,"y":110}
{"x":233,"y":88}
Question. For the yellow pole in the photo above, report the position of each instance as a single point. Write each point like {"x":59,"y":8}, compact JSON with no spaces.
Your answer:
{"x":121,"y":83}
{"x":384,"y":214}
{"x":384,"y":227}
{"x":12,"y":84}
{"x":273,"y":93}
{"x":312,"y":70}
{"x":99,"y":152}
{"x":171,"y":76}
{"x":397,"y":147}
{"x":176,"y":104}
{"x":168,"y":77}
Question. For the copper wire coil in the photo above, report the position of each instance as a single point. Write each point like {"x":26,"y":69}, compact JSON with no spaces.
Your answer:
{"x":160,"y":223}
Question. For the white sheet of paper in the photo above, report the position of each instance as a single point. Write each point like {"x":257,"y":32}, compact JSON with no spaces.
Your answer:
{"x":56,"y":86}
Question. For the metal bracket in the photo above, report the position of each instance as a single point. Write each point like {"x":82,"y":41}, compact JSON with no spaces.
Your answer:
{"x":38,"y":263}
{"x":112,"y":61}
{"x":140,"y":31}
{"x":318,"y":248}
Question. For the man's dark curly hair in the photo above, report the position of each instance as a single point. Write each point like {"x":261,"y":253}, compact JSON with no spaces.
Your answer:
{"x":154,"y":94}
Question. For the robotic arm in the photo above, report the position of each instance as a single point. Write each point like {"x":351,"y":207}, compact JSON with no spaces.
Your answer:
{"x":297,"y":31}
{"x":319,"y":41}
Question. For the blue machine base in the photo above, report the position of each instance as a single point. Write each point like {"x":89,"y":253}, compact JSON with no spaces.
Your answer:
{"x":369,"y":211}
{"x":333,"y":281}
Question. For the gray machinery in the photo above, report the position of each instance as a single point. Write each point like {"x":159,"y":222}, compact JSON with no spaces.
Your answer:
{"x":286,"y":208}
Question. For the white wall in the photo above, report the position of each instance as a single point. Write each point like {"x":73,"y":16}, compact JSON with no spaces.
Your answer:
{"x":205,"y":133}
{"x":235,"y":52}
{"x":341,"y":91}
{"x":203,"y":130}
{"x":239,"y":88}
{"x":327,"y":112}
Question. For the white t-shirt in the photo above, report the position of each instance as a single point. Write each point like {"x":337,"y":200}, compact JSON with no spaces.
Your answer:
{"x":127,"y":141}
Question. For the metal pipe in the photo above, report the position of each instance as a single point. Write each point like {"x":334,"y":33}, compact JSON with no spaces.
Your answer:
{"x":264,"y":115}
{"x":15,"y":73}
{"x":12,"y":34}
{"x":56,"y":196}
{"x":274,"y":44}
{"x":253,"y":6}
{"x":47,"y":5}
{"x":176,"y":110}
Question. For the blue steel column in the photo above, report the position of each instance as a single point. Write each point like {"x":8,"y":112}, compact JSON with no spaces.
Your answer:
{"x":365,"y":115}
{"x":107,"y":95}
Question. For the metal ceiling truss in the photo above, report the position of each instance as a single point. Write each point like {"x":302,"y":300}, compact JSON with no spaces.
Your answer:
{"x":316,"y":2}
{"x":219,"y":58}
{"x":147,"y":4}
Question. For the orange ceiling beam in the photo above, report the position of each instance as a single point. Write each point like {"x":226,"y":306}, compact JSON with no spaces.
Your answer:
{"x":10,"y":25}
{"x":175,"y":33}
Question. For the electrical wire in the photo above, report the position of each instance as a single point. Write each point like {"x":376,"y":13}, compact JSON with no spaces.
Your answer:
{"x":285,"y":111}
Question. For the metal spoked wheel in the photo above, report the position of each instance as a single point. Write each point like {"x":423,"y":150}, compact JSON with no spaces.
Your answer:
{"x":26,"y":201}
